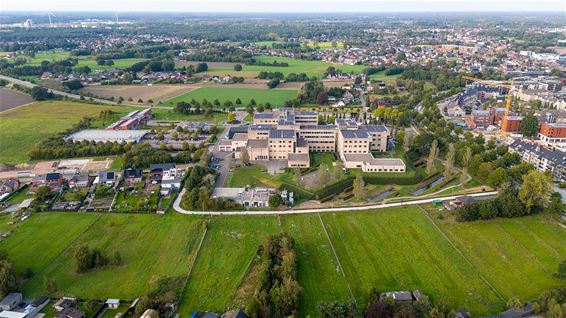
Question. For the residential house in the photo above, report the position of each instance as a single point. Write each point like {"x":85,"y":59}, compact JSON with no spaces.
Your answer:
{"x":11,"y":301}
{"x":65,"y":302}
{"x":107,"y":178}
{"x":113,"y":303}
{"x":236,"y":313}
{"x":157,"y":172}
{"x":54,"y":180}
{"x":397,"y":296}
{"x":78,"y":181}
{"x":541,"y":158}
{"x":132,"y":176}
{"x":9,"y":185}
{"x":459,"y":202}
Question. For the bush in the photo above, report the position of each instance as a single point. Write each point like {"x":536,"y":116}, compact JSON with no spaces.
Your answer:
{"x":335,"y":188}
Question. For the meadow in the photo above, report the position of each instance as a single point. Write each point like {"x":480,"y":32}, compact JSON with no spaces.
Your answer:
{"x":390,"y":249}
{"x":57,"y":55}
{"x":261,"y":96}
{"x":22,"y":128}
{"x":150,"y":247}
{"x":311,"y":68}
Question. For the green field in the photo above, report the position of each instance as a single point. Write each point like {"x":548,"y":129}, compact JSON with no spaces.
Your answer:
{"x":311,"y":68}
{"x":390,"y":249}
{"x":261,"y":96}
{"x":22,"y":128}
{"x":150,"y":246}
{"x":57,"y":55}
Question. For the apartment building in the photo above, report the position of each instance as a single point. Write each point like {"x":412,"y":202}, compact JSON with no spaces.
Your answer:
{"x":290,"y":135}
{"x":553,"y":134}
{"x":541,"y":158}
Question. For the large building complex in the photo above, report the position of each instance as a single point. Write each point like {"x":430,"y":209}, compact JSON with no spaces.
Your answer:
{"x":289,"y":135}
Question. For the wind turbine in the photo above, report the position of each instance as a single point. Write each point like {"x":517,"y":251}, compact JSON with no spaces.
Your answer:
{"x":50,"y":14}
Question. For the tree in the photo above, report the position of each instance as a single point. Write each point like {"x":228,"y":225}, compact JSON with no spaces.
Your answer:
{"x":50,"y":285}
{"x":275,"y":201}
{"x":450,"y":157}
{"x":467,"y":157}
{"x":514,"y":303}
{"x":555,"y":206}
{"x":231,"y":117}
{"x":244,"y":156}
{"x":561,"y":272}
{"x":337,"y":310}
{"x":497,"y":177}
{"x":359,"y":187}
{"x":201,"y":67}
{"x":42,"y":193}
{"x":40,"y":93}
{"x":431,"y":157}
{"x":238,"y":67}
{"x":8,"y":280}
{"x":407,"y":140}
{"x":529,"y":126}
{"x":535,"y":190}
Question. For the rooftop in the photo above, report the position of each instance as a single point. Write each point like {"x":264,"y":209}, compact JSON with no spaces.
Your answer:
{"x":108,"y":135}
{"x":349,"y":134}
{"x":258,"y":143}
{"x":281,"y":133}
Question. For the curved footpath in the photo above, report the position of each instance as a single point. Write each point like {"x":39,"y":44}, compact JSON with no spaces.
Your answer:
{"x":177,"y":206}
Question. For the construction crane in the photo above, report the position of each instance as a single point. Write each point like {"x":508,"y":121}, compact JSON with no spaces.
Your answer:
{"x":509,"y":102}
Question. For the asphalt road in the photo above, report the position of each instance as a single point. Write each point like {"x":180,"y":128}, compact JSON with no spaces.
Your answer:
{"x":177,"y":206}
{"x":75,"y":96}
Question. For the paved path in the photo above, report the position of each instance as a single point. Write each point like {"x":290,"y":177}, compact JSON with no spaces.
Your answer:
{"x":177,"y":206}
{"x":75,"y":96}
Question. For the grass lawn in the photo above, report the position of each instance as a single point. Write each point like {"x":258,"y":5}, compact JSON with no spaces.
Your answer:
{"x":127,"y":201}
{"x":227,"y":250}
{"x":399,"y":249}
{"x":151,"y":246}
{"x":118,"y":63}
{"x":261,"y":96}
{"x":165,"y":114}
{"x":311,"y":68}
{"x":317,"y":271}
{"x":22,"y":128}
{"x":20,"y":196}
{"x":517,"y":255}
{"x":38,"y":241}
{"x":57,"y":55}
{"x":327,"y":158}
{"x":256,"y":176}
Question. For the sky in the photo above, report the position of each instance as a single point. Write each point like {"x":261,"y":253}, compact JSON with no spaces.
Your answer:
{"x":251,"y":6}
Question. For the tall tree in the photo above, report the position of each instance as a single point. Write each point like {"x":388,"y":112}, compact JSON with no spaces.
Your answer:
{"x":450,"y":157}
{"x":407,"y":140}
{"x":535,"y":190}
{"x":529,"y":126}
{"x":359,"y":187}
{"x":467,"y":157}
{"x":244,"y":156}
{"x":431,"y":157}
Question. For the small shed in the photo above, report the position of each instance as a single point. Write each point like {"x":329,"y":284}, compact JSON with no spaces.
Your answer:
{"x":113,"y":303}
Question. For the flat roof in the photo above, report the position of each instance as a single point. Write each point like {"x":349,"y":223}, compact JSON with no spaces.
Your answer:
{"x":240,"y":136}
{"x":281,"y":133}
{"x":354,"y":133}
{"x":366,"y":157}
{"x":108,"y":135}
{"x":299,"y":157}
{"x":257,"y":143}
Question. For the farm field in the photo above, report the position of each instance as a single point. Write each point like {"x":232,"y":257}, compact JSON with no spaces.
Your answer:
{"x":118,"y":63}
{"x":261,"y":96}
{"x":518,"y":256}
{"x":10,"y":99}
{"x":399,"y":249}
{"x":166,"y":114}
{"x":150,"y":246}
{"x":225,"y":255}
{"x":311,"y":68}
{"x":57,"y":55}
{"x":38,"y":241}
{"x":23,"y":127}
{"x":155,"y":92}
{"x":390,"y":249}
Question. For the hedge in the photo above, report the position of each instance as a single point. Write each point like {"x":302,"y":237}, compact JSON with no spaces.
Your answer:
{"x":302,"y":193}
{"x":334,"y":188}
{"x":393,"y":179}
